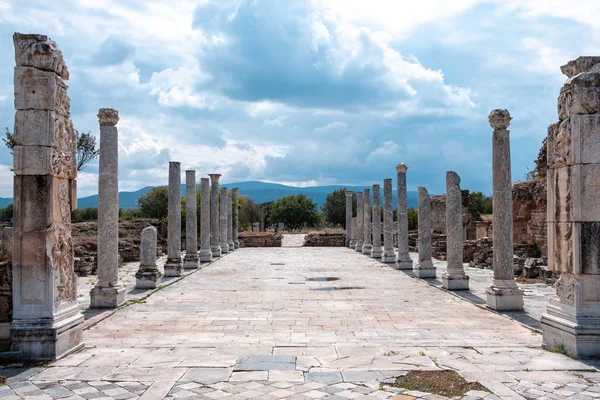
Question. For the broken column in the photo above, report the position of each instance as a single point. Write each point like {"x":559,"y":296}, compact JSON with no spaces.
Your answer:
{"x":173,"y":266}
{"x":367,"y":225}
{"x":223,"y":222}
{"x":215,"y":227}
{"x":108,"y":292}
{"x":572,"y":320}
{"x":376,"y":252}
{"x":147,"y":275}
{"x":389,"y":255}
{"x":503,"y":294}
{"x":360,"y":217}
{"x":236,"y":218}
{"x":403,"y":260}
{"x":205,"y":252}
{"x":230,"y":223}
{"x":425,"y":267}
{"x":46,"y":322}
{"x":348,"y":218}
{"x":454,"y":278}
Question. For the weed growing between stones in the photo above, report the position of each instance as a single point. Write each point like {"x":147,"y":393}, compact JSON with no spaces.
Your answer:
{"x":443,"y":383}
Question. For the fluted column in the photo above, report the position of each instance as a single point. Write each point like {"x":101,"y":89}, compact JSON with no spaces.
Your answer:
{"x":190,"y":260}
{"x":236,"y":218}
{"x":223,"y":221}
{"x":348,"y":217}
{"x":425,"y":267}
{"x":174,"y":266}
{"x":205,"y":252}
{"x":215,"y":228}
{"x":376,"y":252}
{"x":503,"y":294}
{"x":454,"y":278}
{"x":403,"y":260}
{"x":360,"y":206}
{"x":389,"y":255}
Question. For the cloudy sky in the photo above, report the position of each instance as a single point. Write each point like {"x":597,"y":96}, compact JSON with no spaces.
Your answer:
{"x":307,"y":92}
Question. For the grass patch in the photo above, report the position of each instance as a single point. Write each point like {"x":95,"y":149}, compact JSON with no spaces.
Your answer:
{"x":443,"y":383}
{"x":559,"y":348}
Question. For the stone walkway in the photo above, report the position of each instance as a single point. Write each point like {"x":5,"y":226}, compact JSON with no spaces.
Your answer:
{"x":251,"y":325}
{"x":292,"y":240}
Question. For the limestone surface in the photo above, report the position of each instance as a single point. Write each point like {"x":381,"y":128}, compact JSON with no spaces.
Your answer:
{"x":403,"y":260}
{"x":424,"y":268}
{"x":367,"y":223}
{"x":236,"y":218}
{"x":174,"y":266}
{"x":215,"y":229}
{"x":148,"y":275}
{"x":360,"y":217}
{"x":348,"y":217}
{"x":377,"y":251}
{"x":223,"y":216}
{"x":205,"y":250}
{"x":191,"y":258}
{"x":389,"y":255}
{"x":454,"y":278}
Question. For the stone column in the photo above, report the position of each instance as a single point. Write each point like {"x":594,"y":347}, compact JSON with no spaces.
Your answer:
{"x":454,"y":278}
{"x":261,"y":224}
{"x":425,"y":267}
{"x":354,"y":232}
{"x":348,"y":218}
{"x":367,"y":224}
{"x":147,"y":275}
{"x":46,"y":322}
{"x":503,"y":294}
{"x":572,"y":320}
{"x":215,"y":228}
{"x":230,"y":223}
{"x":190,"y":261}
{"x":205,"y":252}
{"x":223,"y":222}
{"x":403,"y":260}
{"x":108,"y":293}
{"x":173,"y":266}
{"x":236,"y":218}
{"x":389,"y":255}
{"x":360,"y":217}
{"x":376,"y":215}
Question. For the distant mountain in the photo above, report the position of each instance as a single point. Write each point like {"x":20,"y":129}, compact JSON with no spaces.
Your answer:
{"x":259,"y":192}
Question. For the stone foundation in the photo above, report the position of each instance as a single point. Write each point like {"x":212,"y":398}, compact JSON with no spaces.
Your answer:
{"x":324,"y":240}
{"x":260,"y":239}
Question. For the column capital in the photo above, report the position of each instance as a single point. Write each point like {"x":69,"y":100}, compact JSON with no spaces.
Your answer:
{"x":499,"y":119}
{"x":349,"y":193}
{"x":108,"y":116}
{"x":214,"y":178}
{"x":401,"y":168}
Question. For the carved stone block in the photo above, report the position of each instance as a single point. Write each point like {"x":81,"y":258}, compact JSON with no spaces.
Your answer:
{"x":39,"y":51}
{"x":580,"y":95}
{"x":40,"y":90}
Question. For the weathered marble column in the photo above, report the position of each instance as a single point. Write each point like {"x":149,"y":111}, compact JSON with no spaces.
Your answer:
{"x":403,"y":260}
{"x":223,"y":214}
{"x":230,"y":223}
{"x":108,"y":292}
{"x":174,"y":266}
{"x":425,"y":267}
{"x":215,"y":228}
{"x":147,"y":275}
{"x":191,"y":258}
{"x":360,"y":217}
{"x":348,"y":217}
{"x":354,"y":232}
{"x":46,"y":322}
{"x":205,"y":252}
{"x":454,"y":278}
{"x":389,"y":255}
{"x":367,"y":223}
{"x":503,"y":294}
{"x":572,"y":320}
{"x":236,"y":218}
{"x":377,"y":251}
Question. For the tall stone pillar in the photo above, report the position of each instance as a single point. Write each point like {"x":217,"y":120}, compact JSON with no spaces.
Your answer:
{"x":348,"y":218}
{"x":46,"y":322}
{"x":367,"y":224}
{"x":215,"y":228}
{"x":205,"y":253}
{"x":503,"y":294}
{"x":572,"y":320}
{"x":261,"y":223}
{"x":223,"y":222}
{"x":354,"y":232}
{"x":425,"y":267}
{"x":360,"y":217}
{"x":173,"y":266}
{"x":108,"y":293}
{"x":454,"y":278}
{"x":403,"y":260}
{"x":236,"y":217}
{"x":389,"y":255}
{"x":147,"y":275}
{"x":376,"y":252}
{"x":230,"y":223}
{"x":190,"y":261}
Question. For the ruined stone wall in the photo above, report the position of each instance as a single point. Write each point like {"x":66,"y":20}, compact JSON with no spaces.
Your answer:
{"x":470,"y":215}
{"x":5,"y":287}
{"x":325,"y":240}
{"x":260,"y":239}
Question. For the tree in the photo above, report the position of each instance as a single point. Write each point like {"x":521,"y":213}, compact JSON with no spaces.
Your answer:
{"x":295,"y":212}
{"x":9,"y":140}
{"x":483,"y":203}
{"x":249,"y":213}
{"x":413,"y":219}
{"x":155,"y":203}
{"x":6,"y":213}
{"x":334,"y":208}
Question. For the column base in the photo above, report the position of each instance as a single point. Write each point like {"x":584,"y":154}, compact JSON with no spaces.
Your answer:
{"x":389,"y":257}
{"x":107,"y":297}
{"x":455,"y":282}
{"x":224,"y":248}
{"x":504,"y":296}
{"x":358,"y":247}
{"x":205,"y":256}
{"x":147,"y":277}
{"x":231,"y":246}
{"x":366,"y":249}
{"x":425,"y":269}
{"x":173,"y":267}
{"x":376,"y":252}
{"x":190,"y":261}
{"x":216,"y":251}
{"x":39,"y":339}
{"x":352,"y":244}
{"x":404,"y":262}
{"x":236,"y":244}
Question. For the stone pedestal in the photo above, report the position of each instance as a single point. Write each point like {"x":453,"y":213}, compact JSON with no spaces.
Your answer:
{"x":367,"y":225}
{"x":388,"y":256}
{"x":223,"y":214}
{"x":147,"y":275}
{"x":205,"y":252}
{"x":454,"y":278}
{"x":230,"y":224}
{"x":215,"y":230}
{"x":360,"y":217}
{"x":191,"y":259}
{"x":425,"y":267}
{"x":348,"y":218}
{"x":174,"y":266}
{"x":572,"y":320}
{"x":236,"y":218}
{"x":403,"y":260}
{"x":377,"y":250}
{"x":503,"y":294}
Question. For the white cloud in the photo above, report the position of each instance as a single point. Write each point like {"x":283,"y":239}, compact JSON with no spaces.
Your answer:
{"x":275,"y":122}
{"x":387,"y":151}
{"x":333,"y":127}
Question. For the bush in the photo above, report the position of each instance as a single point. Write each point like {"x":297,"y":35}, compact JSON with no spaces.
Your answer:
{"x":84,"y":214}
{"x":295,"y":212}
